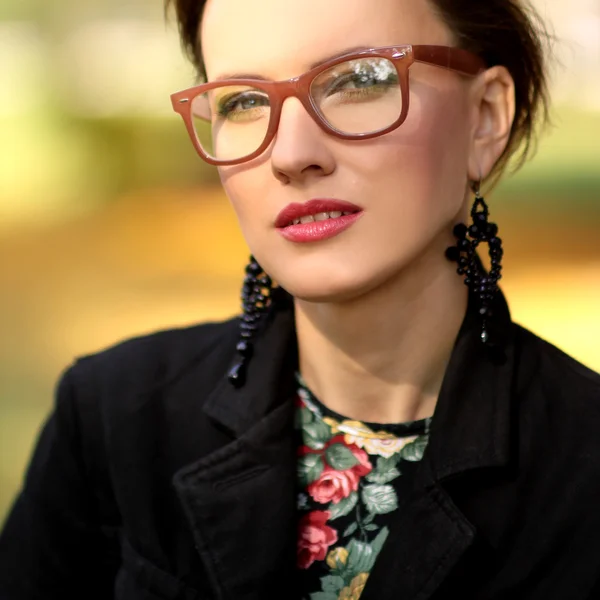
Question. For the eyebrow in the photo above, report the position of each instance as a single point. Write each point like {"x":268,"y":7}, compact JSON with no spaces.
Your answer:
{"x":311,"y":66}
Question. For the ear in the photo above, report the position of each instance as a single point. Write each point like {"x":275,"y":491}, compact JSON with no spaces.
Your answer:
{"x":493,"y":116}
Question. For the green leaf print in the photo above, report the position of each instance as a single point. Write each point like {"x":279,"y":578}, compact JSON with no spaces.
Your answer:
{"x":379,"y":541}
{"x":380,"y":499}
{"x":303,"y":417}
{"x":340,"y":457}
{"x":332,"y":584}
{"x":323,"y":596}
{"x":385,"y":471}
{"x":361,"y":558}
{"x":316,"y":435}
{"x":414,"y":451}
{"x":343,"y":507}
{"x":350,"y":529}
{"x":310,"y":468}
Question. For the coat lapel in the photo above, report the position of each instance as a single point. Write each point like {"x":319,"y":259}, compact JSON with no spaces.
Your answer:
{"x":240,"y":499}
{"x":426,"y":540}
{"x":470,"y":434}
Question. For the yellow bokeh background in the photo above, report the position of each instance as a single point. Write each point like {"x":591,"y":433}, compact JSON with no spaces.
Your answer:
{"x":111,"y":226}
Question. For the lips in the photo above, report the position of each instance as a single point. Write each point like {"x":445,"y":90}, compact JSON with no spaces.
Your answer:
{"x":316,"y":220}
{"x":319,"y":210}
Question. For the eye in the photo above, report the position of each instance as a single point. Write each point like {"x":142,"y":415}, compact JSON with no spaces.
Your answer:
{"x":358,"y":79}
{"x":242,"y":106}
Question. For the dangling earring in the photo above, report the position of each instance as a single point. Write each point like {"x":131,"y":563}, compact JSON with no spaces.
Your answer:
{"x":256,"y":299}
{"x":484,"y":285}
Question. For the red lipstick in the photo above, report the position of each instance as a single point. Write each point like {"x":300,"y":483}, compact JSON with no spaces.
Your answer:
{"x":322,"y":219}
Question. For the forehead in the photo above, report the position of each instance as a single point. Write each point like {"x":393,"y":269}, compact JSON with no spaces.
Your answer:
{"x":278,"y":39}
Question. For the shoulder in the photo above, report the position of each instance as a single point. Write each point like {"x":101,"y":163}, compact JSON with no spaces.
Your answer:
{"x":143,"y":396}
{"x":558,"y":403}
{"x":559,"y":375}
{"x":149,"y":363}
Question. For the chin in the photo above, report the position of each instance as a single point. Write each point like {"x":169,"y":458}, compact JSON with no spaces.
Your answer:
{"x":321,"y":296}
{"x":341,"y":275}
{"x":325,"y":289}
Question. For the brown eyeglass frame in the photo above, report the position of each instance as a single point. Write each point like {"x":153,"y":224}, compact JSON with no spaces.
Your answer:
{"x":454,"y":59}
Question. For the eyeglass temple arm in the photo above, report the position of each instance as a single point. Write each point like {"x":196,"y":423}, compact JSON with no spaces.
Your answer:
{"x":455,"y":59}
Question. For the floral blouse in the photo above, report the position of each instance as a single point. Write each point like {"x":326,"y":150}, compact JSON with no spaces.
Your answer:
{"x":352,"y":476}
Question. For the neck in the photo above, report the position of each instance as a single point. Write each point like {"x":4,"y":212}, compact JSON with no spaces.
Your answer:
{"x":382,"y":357}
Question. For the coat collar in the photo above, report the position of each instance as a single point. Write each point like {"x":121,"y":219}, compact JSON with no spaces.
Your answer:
{"x":270,"y":375}
{"x":240,"y":500}
{"x":471,"y":424}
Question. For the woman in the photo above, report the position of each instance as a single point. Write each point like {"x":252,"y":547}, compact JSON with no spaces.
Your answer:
{"x":372,"y":427}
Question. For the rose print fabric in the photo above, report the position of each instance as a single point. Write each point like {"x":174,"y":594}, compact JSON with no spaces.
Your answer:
{"x":352,"y":476}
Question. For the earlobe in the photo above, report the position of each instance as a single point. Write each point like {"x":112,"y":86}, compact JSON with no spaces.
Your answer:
{"x":495,"y":113}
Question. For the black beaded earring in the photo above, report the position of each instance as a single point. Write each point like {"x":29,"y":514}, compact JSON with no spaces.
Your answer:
{"x":483,"y":285}
{"x":256,"y":299}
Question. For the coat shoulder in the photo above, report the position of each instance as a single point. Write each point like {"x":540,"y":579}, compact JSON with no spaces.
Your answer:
{"x":558,"y":396}
{"x":560,"y":374}
{"x":144,"y":365}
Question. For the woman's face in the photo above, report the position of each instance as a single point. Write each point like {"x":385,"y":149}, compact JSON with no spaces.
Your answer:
{"x":410,"y":184}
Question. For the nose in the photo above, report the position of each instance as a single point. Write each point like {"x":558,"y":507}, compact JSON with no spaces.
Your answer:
{"x":300,"y":148}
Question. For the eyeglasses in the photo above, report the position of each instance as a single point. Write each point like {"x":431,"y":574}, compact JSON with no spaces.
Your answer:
{"x":355,"y":96}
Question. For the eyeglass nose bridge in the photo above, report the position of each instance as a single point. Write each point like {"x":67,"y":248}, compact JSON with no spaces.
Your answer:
{"x":296,"y":87}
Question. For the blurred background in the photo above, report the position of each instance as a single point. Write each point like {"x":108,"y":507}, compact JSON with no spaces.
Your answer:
{"x":111,"y":226}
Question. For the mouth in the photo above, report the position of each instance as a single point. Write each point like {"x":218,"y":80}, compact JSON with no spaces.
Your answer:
{"x":315,"y":211}
{"x":322,"y":216}
{"x":316,"y":220}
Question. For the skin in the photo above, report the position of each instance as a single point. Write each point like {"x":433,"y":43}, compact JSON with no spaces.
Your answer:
{"x":378,"y":308}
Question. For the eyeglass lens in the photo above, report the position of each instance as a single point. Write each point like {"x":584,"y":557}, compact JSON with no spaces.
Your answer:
{"x":355,"y":97}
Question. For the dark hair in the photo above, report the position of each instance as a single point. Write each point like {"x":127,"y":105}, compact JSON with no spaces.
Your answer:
{"x":503,"y":32}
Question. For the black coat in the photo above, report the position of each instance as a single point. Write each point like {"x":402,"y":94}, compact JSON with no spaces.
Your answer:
{"x":155,"y":479}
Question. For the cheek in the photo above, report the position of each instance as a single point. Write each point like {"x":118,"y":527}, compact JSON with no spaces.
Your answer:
{"x":424,"y":162}
{"x":422,"y":166}
{"x":245,"y":187}
{"x":433,"y":141}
